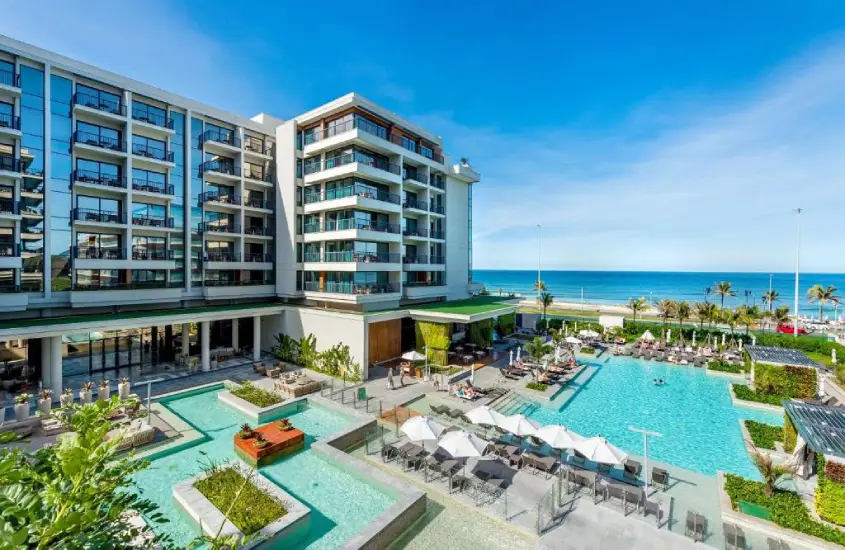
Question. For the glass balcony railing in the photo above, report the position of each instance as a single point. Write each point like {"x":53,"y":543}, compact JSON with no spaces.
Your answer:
{"x":436,"y":181}
{"x":258,"y":203}
{"x":8,"y":78}
{"x":98,"y":178}
{"x":414,"y":176}
{"x":96,"y":140}
{"x":227,"y":282}
{"x":10,"y":121}
{"x":219,"y":167}
{"x":116,"y":285}
{"x":97,"y":253}
{"x":437,"y":209}
{"x":226,"y":138}
{"x":257,"y":175}
{"x":353,"y":190}
{"x":336,"y":129}
{"x":414,"y":147}
{"x":258,"y":258}
{"x":437,"y":234}
{"x":415,"y":203}
{"x":350,"y":288}
{"x":417,"y":259}
{"x":151,"y":186}
{"x":221,"y":256}
{"x":415,"y":232}
{"x":99,"y":216}
{"x":437,"y":260}
{"x":255,"y":145}
{"x":99,"y":103}
{"x":351,"y":223}
{"x":361,"y":158}
{"x":9,"y":206}
{"x":156,"y":253}
{"x":142,"y":115}
{"x":258,"y":230}
{"x":9,"y":249}
{"x":351,"y":256}
{"x":155,"y":153}
{"x":219,"y":227}
{"x":151,"y":221}
{"x":423,"y":283}
{"x":223,"y":198}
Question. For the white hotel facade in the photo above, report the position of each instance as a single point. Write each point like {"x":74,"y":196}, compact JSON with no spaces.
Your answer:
{"x":131,"y":216}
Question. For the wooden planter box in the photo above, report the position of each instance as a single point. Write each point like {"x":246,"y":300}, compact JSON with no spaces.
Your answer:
{"x":280,"y":443}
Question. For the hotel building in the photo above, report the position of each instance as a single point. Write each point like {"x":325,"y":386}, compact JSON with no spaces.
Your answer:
{"x":141,"y":232}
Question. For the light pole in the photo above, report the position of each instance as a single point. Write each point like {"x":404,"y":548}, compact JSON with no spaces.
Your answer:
{"x":149,"y":384}
{"x":797,"y":269}
{"x":538,"y":263}
{"x":645,"y":433}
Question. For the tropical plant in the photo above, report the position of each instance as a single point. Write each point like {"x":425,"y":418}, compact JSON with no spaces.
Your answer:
{"x":485,"y":292}
{"x":724,"y":290}
{"x":540,"y":286}
{"x":308,"y":355}
{"x":537,"y":348}
{"x":683,"y":311}
{"x":746,"y":315}
{"x":87,"y":386}
{"x":637,"y":305}
{"x":781,"y":315}
{"x":822,"y":295}
{"x":730,"y":318}
{"x":704,"y":311}
{"x":546,"y":300}
{"x":770,"y":297}
{"x":558,"y":336}
{"x":46,"y":394}
{"x":257,"y":396}
{"x":666,"y":309}
{"x":286,"y":348}
{"x":22,"y":398}
{"x":75,"y":493}
{"x":769,"y":472}
{"x":245,"y":431}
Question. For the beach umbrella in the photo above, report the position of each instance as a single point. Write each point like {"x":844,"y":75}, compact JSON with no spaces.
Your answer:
{"x":573,"y":340}
{"x":647,"y":336}
{"x":422,"y":428}
{"x":558,"y":437}
{"x":461,"y":444}
{"x":413,"y":356}
{"x":598,"y":449}
{"x":519,"y":425}
{"x":485,"y":415}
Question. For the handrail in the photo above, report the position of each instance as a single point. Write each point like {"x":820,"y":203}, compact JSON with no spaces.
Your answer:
{"x":224,"y":198}
{"x":212,"y":227}
{"x":350,"y":288}
{"x":211,"y":256}
{"x":357,"y":156}
{"x":220,"y":167}
{"x":8,"y":78}
{"x":156,"y":253}
{"x":101,"y":216}
{"x":9,"y":163}
{"x":90,"y":176}
{"x":438,"y":209}
{"x":97,"y":253}
{"x":220,"y":137}
{"x":95,"y":102}
{"x":257,"y":230}
{"x":418,"y":259}
{"x":150,"y":186}
{"x":141,"y":150}
{"x":10,"y":121}
{"x":152,"y":221}
{"x":96,"y":140}
{"x":9,"y":206}
{"x":418,"y":232}
{"x":152,"y":118}
{"x":414,"y":203}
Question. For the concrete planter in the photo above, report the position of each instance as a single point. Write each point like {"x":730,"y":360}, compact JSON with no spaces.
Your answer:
{"x":66,"y":399}
{"x":21,"y":411}
{"x":123,"y":391}
{"x":85,"y":396}
{"x":104,"y":393}
{"x":45,"y":405}
{"x":259,"y":415}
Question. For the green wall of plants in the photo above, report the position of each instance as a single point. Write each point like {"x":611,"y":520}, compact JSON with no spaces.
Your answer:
{"x":787,"y":382}
{"x":507,"y":324}
{"x":790,"y":434}
{"x":480,"y":333}
{"x":830,"y":493}
{"x":437,"y":337}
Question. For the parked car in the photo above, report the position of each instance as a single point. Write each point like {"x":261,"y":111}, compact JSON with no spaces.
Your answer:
{"x":787,"y":328}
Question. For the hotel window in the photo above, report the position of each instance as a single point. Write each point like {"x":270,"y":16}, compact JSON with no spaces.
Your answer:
{"x":91,"y":170}
{"x":97,"y":99}
{"x":370,"y":127}
{"x":98,"y":136}
{"x":149,"y":147}
{"x":427,"y":152}
{"x":149,"y":113}
{"x":409,"y":144}
{"x":299,"y":168}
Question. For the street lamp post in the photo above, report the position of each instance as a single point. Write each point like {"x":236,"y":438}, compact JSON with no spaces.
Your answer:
{"x":797,"y":269}
{"x":645,"y":433}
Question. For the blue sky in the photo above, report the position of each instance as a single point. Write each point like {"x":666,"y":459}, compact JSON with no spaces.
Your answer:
{"x":654,"y":136}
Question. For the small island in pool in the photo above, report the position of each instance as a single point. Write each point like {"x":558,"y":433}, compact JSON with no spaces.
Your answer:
{"x":268,"y":443}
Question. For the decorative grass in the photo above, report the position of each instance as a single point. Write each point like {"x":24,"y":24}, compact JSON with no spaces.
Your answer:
{"x":257,"y":396}
{"x":538,"y":386}
{"x":725,"y":367}
{"x":747,"y":394}
{"x":254,"y":507}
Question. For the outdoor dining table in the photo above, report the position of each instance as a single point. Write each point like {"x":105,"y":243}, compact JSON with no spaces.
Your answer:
{"x":468,"y":358}
{"x":413,"y":455}
{"x":446,"y":467}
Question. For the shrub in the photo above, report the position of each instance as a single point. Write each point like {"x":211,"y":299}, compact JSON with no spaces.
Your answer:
{"x":790,"y":434}
{"x":721,"y":366}
{"x":254,"y":507}
{"x":286,"y":348}
{"x":747,"y":394}
{"x":337,"y":361}
{"x":763,"y":435}
{"x":588,"y":351}
{"x":787,"y":509}
{"x":255,"y":395}
{"x":538,"y":386}
{"x":786,"y":382}
{"x":803,"y":343}
{"x":834,"y":471}
{"x":830,"y":494}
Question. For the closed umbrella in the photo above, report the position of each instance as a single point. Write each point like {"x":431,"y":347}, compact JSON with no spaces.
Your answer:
{"x":422,"y":428}
{"x":599,"y":449}
{"x":519,"y":425}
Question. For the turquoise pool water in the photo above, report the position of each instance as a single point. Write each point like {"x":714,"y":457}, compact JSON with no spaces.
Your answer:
{"x":326,"y":489}
{"x":693,"y":411}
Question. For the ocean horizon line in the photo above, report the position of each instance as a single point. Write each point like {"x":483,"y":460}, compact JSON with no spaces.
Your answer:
{"x":791,"y":273}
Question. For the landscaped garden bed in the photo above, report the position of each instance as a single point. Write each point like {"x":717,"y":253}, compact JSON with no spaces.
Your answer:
{"x":257,"y":396}
{"x":830,"y":493}
{"x":268,"y":443}
{"x":763,"y":435}
{"x":745,"y":393}
{"x":721,"y":366}
{"x":537,"y":386}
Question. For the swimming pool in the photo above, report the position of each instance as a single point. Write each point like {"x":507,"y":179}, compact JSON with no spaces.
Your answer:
{"x":693,"y":411}
{"x":326,"y":489}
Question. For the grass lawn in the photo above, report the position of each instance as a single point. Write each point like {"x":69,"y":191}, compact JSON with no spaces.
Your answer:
{"x":254,"y":508}
{"x":820,"y":357}
{"x":470,"y":306}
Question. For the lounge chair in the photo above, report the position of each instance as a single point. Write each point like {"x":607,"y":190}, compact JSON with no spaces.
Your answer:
{"x":613,"y":491}
{"x":539,"y":463}
{"x":660,"y":478}
{"x":636,"y":354}
{"x":631,"y":471}
{"x":660,"y":356}
{"x":776,"y":544}
{"x":734,"y":537}
{"x":648,"y":354}
{"x":442,"y":410}
{"x":694,"y":526}
{"x":136,"y":434}
{"x":482,"y":391}
{"x":454,"y":413}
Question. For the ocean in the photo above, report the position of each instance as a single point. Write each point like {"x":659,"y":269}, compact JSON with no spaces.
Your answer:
{"x":615,"y":287}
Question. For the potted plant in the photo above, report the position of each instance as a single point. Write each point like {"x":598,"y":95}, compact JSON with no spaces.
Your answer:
{"x":45,"y":401}
{"x":246,"y":432}
{"x":86,"y":392}
{"x":66,"y":399}
{"x":285,"y":425}
{"x":105,"y":390}
{"x":22,"y":407}
{"x":464,"y":161}
{"x":260,"y":442}
{"x":123,"y":389}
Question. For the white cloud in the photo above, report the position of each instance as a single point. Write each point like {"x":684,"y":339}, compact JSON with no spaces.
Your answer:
{"x":703,"y":183}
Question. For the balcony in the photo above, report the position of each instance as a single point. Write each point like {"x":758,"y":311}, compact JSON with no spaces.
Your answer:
{"x":424,"y":289}
{"x":418,"y":259}
{"x":356,"y":289}
{"x":9,"y":207}
{"x":98,"y":142}
{"x":437,"y":234}
{"x":436,"y":209}
{"x":151,"y":186}
{"x":415,"y":232}
{"x":353,"y":196}
{"x":89,"y":177}
{"x":361,"y":158}
{"x":261,"y":258}
{"x":257,"y":146}
{"x":349,"y":164}
{"x":218,"y":227}
{"x":155,"y":222}
{"x":437,"y":260}
{"x":151,"y":254}
{"x":97,"y":293}
{"x":254,"y":174}
{"x":416,"y":148}
{"x":415,"y":204}
{"x":258,"y":203}
{"x":339,"y":129}
{"x":97,"y":105}
{"x":225,"y":140}
{"x":10,"y":125}
{"x":10,"y":82}
{"x":97,"y":253}
{"x":85,"y":215}
{"x":10,"y":167}
{"x":258,"y":231}
{"x":351,"y":223}
{"x":152,"y":153}
{"x":155,"y":120}
{"x":226,"y":170}
{"x":437,"y":182}
{"x":219,"y":256}
{"x":227,"y":289}
{"x":351,"y":256}
{"x":414,"y":179}
{"x":219,"y":198}
{"x":10,"y":255}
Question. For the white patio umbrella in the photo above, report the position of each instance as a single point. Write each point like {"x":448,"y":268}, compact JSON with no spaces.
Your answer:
{"x":413,"y":355}
{"x":485,"y":415}
{"x":573,"y":340}
{"x":422,"y":428}
{"x":461,"y":444}
{"x":519,"y":425}
{"x":559,"y":437}
{"x":647,"y":336}
{"x":598,"y":449}
{"x":587,"y":333}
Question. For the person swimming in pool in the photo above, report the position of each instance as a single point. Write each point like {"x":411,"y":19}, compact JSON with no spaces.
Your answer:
{"x":661,"y":382}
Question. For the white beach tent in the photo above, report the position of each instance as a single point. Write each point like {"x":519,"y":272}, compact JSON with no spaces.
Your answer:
{"x":598,"y":449}
{"x":647,"y":336}
{"x":422,"y":428}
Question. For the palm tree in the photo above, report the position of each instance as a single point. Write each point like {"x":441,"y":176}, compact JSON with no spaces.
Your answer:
{"x":683,"y":312}
{"x":666,"y":309}
{"x":637,"y":305}
{"x":746,"y":316}
{"x":770,"y":297}
{"x":822,"y":295}
{"x":781,"y":315}
{"x":540,"y":286}
{"x":537,"y":348}
{"x":724,"y":289}
{"x":705,"y":311}
{"x":546,"y":300}
{"x":729,"y":318}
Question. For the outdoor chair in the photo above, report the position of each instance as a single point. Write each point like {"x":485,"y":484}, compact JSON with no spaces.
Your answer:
{"x":734,"y":537}
{"x":653,"y":507}
{"x":604,"y":469}
{"x":694,"y":526}
{"x":614,"y":491}
{"x":660,"y":478}
{"x":776,"y":544}
{"x":539,"y":463}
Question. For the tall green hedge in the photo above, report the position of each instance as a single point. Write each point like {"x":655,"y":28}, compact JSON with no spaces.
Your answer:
{"x":480,"y":333}
{"x":787,"y":382}
{"x":830,"y":495}
{"x":507,"y":324}
{"x":790,"y":434}
{"x":437,"y":337}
